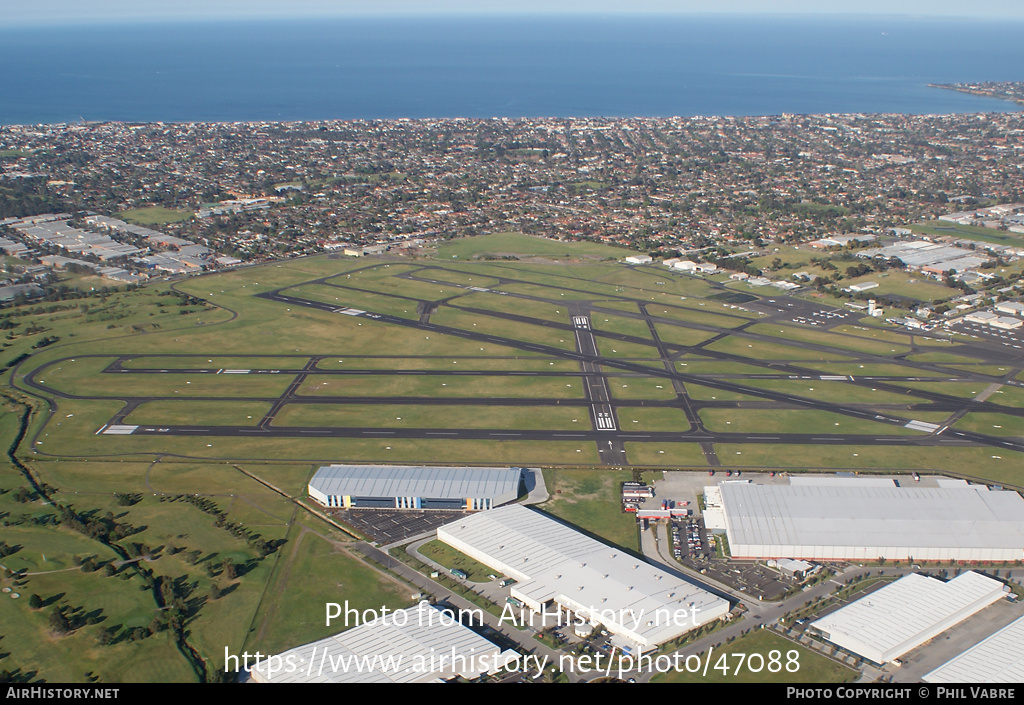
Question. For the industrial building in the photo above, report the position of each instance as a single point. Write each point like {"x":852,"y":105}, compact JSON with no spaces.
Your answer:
{"x":404,"y":487}
{"x":929,"y":257}
{"x":899,"y":617}
{"x":990,"y":319}
{"x":420,"y":644}
{"x":793,"y":569}
{"x":997,"y":659}
{"x":865,"y":519}
{"x":558,"y":568}
{"x":636,"y":490}
{"x":1014,"y":307}
{"x":638,"y":259}
{"x":1007,"y":323}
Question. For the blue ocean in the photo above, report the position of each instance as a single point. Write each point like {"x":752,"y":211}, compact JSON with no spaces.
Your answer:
{"x":501,"y":66}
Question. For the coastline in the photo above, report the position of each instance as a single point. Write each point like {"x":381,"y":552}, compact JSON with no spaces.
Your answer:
{"x":982,"y":91}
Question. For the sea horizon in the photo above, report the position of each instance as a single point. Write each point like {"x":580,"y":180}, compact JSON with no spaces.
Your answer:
{"x":548,"y":66}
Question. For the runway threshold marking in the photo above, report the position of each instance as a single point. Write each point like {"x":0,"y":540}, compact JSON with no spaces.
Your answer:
{"x":118,"y":430}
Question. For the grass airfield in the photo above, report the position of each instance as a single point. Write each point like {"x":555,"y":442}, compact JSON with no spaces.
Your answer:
{"x":453,"y":360}
{"x":466,"y":360}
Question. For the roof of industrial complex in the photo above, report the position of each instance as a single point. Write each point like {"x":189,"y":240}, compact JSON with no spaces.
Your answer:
{"x":412,"y":645}
{"x":552,"y":561}
{"x":899,"y":617}
{"x":997,"y":659}
{"x":406,"y":481}
{"x":854,"y":513}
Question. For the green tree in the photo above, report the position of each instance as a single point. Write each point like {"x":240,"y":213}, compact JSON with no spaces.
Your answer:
{"x":59,"y":622}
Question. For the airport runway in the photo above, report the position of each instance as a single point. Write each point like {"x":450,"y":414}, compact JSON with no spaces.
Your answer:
{"x":594,"y":368}
{"x":600,"y":437}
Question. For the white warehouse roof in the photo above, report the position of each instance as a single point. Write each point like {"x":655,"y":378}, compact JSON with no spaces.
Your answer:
{"x":552,"y":561}
{"x":891,"y":621}
{"x":1010,"y":307}
{"x":997,"y":659}
{"x":405,"y":646}
{"x":848,"y":520}
{"x":836,"y":481}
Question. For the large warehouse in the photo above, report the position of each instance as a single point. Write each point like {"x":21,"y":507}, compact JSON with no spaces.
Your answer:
{"x":641,"y":605}
{"x":997,"y":659}
{"x":838,"y":518}
{"x":900,"y":617}
{"x":403,"y":487}
{"x":416,"y":645}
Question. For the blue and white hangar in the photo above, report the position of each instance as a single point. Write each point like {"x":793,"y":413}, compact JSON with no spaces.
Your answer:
{"x":411,"y":487}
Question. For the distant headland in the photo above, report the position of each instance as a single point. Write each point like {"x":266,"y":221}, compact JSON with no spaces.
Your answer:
{"x":1003,"y":90}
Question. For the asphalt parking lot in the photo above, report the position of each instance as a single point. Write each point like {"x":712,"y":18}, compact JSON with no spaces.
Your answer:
{"x":695,"y":548}
{"x":753,"y":578}
{"x":385,"y":527}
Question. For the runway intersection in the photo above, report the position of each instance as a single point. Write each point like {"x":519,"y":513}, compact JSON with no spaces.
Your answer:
{"x":671,"y":401}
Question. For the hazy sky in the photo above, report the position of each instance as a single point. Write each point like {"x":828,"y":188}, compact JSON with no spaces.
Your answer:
{"x":20,"y":12}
